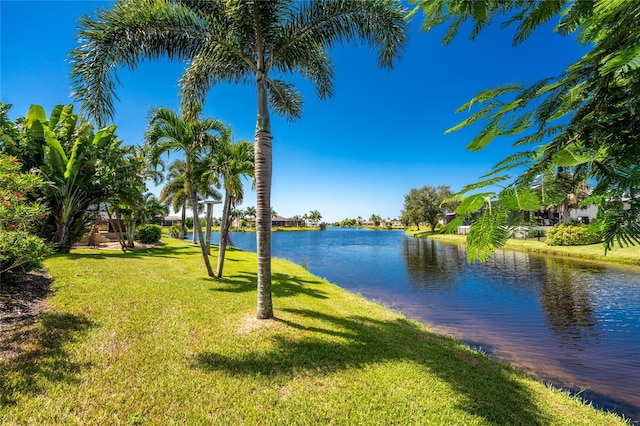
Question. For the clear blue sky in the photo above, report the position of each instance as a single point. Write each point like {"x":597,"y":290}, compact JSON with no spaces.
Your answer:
{"x":353,"y":155}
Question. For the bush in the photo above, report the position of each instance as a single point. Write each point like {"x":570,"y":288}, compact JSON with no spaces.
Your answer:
{"x":20,"y":249}
{"x":572,"y":235}
{"x":175,"y":230}
{"x":149,"y":234}
{"x":536,"y":233}
{"x":188,"y":222}
{"x":20,"y":252}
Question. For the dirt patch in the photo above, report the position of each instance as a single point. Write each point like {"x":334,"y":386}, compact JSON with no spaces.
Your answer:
{"x":20,"y":304}
{"x":250,"y":323}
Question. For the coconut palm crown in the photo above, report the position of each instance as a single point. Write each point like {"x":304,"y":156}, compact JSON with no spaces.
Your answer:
{"x":249,"y":42}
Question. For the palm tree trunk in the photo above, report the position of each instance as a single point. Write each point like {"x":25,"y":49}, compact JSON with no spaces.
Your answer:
{"x":183,"y":224}
{"x":263,"y":171}
{"x":194,"y":237}
{"x":224,"y":234}
{"x":196,"y":224}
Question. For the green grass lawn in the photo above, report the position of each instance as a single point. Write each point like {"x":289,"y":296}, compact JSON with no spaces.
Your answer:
{"x":145,"y":337}
{"x":627,"y":255}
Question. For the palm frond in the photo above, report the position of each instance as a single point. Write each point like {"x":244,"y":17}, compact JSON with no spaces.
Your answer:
{"x":124,"y":36}
{"x":285,"y":99}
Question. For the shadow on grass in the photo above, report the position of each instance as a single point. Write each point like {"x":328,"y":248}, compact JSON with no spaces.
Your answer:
{"x":282,"y":285}
{"x":23,"y":300}
{"x":34,"y":355}
{"x":157,"y":251}
{"x":491,"y":392}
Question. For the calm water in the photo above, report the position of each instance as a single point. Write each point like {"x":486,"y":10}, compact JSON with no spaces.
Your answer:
{"x":572,"y":323}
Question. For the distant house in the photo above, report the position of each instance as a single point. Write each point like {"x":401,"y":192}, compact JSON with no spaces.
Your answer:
{"x":395,"y":222}
{"x":285,"y":222}
{"x":545,"y":219}
{"x":171,"y":220}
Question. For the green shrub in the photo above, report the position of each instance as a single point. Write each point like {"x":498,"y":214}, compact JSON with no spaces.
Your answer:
{"x":20,"y":252}
{"x":536,"y":232}
{"x":188,"y":222}
{"x":572,"y":235}
{"x":20,"y":249}
{"x":175,"y":230}
{"x":148,"y":234}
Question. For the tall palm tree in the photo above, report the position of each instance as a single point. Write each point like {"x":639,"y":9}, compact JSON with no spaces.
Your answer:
{"x":169,"y":131}
{"x":229,"y":163}
{"x":240,"y":41}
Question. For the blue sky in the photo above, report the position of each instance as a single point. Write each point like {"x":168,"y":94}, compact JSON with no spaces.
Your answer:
{"x":355,"y":154}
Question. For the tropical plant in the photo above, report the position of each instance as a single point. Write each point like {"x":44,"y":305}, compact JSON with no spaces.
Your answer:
{"x":239,"y":42}
{"x":81,"y":168}
{"x":229,"y":163}
{"x":132,"y":212}
{"x":585,"y":121}
{"x":170,"y":131}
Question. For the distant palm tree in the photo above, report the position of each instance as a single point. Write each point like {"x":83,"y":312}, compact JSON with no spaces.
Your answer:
{"x":169,"y":131}
{"x":239,"y":42}
{"x":315,"y":216}
{"x":174,"y":193}
{"x":251,"y":213}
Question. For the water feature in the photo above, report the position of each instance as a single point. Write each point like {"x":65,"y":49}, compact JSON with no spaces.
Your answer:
{"x":572,"y":323}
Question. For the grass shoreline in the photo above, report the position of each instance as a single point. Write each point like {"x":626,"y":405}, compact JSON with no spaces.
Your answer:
{"x":144,"y":337}
{"x":621,"y":255}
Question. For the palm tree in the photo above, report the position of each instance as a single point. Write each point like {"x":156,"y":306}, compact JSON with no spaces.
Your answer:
{"x":229,"y":163}
{"x":315,"y":216}
{"x":240,"y":42}
{"x":169,"y":131}
{"x":251,"y":213}
{"x":174,"y":193}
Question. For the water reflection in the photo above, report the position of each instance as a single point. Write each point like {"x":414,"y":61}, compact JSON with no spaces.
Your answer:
{"x":575,"y":324}
{"x":566,"y":296}
{"x":431,"y":265}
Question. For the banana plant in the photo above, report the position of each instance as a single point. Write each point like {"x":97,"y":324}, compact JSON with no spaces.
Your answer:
{"x":71,"y":155}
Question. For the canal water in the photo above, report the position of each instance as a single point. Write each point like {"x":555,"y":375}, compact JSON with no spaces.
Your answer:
{"x":572,"y":323}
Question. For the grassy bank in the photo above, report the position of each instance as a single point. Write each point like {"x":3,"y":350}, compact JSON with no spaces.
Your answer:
{"x":145,"y":338}
{"x":626,"y":255}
